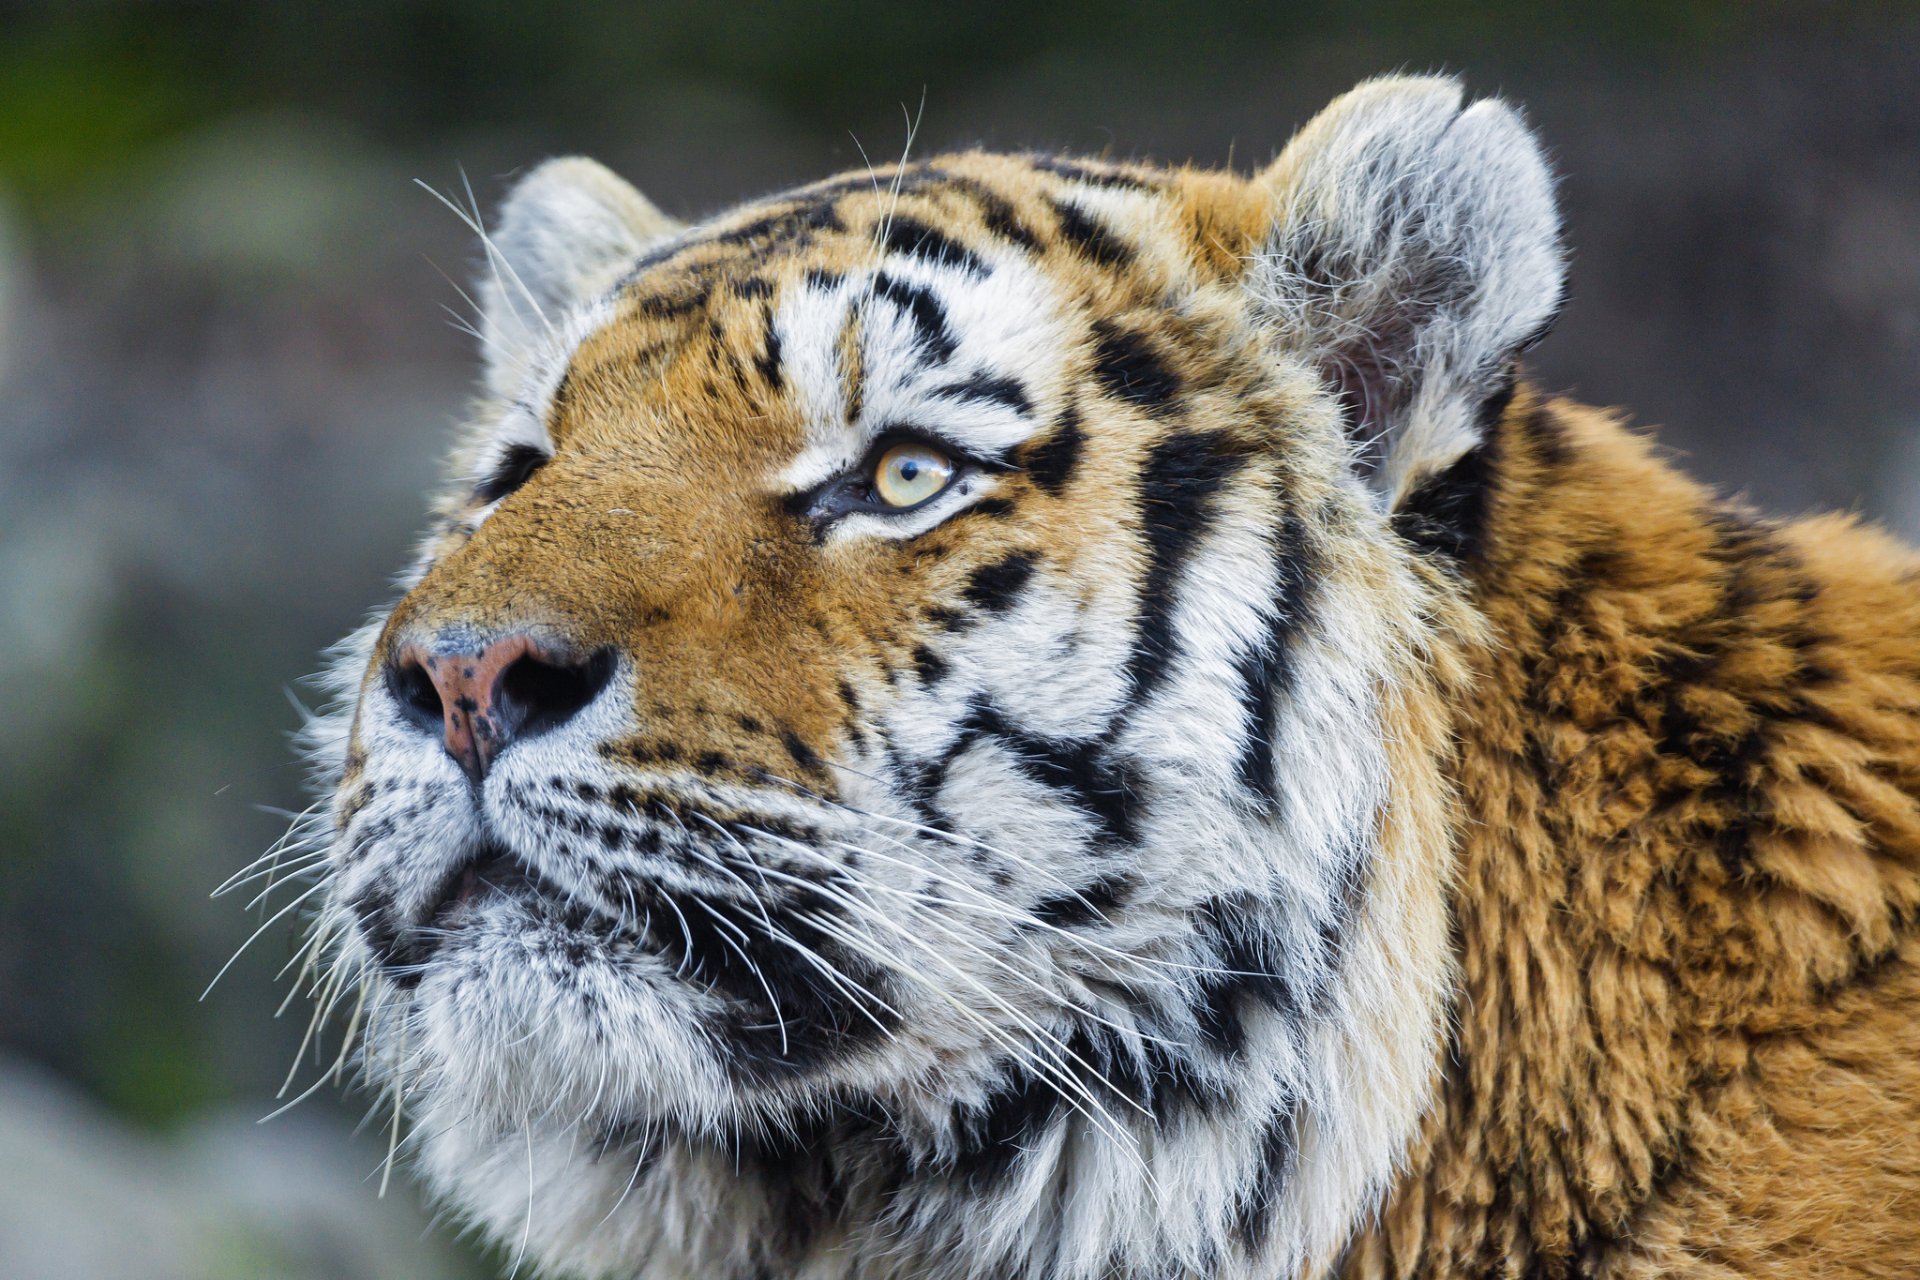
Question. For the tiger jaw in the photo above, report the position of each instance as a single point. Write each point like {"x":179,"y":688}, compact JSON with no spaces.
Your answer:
{"x":577,"y":909}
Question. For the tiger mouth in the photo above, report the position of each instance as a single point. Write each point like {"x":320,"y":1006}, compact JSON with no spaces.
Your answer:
{"x":491,"y":870}
{"x":490,"y":873}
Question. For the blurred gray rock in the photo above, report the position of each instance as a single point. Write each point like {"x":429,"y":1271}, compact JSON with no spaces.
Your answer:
{"x":83,"y":1196}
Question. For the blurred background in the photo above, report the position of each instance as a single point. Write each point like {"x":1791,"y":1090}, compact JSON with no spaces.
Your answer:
{"x":227,"y":372}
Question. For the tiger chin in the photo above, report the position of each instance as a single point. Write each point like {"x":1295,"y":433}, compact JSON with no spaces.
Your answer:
{"x":1017,"y":717}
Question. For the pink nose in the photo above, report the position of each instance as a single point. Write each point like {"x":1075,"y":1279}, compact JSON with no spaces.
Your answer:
{"x":483,"y":700}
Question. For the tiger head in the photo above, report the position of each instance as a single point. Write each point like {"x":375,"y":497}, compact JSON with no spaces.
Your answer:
{"x":918,"y":739}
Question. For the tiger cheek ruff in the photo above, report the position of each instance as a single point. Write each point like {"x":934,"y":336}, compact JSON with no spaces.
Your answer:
{"x":1017,"y":717}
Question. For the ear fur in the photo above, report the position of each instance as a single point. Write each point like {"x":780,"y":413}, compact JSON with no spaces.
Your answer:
{"x":1414,"y":252}
{"x":565,"y":233}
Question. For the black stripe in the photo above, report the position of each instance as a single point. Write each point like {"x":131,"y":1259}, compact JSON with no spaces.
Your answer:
{"x":1549,"y":436}
{"x":741,"y":960}
{"x":1248,"y":970}
{"x":929,"y":665}
{"x":928,"y":316}
{"x":1126,"y":364}
{"x":1266,"y":670}
{"x":990,"y":389}
{"x":918,"y":240}
{"x":1074,"y":908}
{"x":1097,"y":176}
{"x":803,"y":755}
{"x":920,"y":784}
{"x":1154,"y":1075}
{"x":796,"y":223}
{"x":1090,"y":236}
{"x":997,"y":214}
{"x":515,"y":468}
{"x":906,"y":179}
{"x":767,"y":363}
{"x":1274,"y":1165}
{"x":990,"y":507}
{"x":668,"y":306}
{"x":1106,"y":790}
{"x":377,"y":915}
{"x":1182,"y":472}
{"x":1446,"y":514}
{"x":996,"y":587}
{"x":1050,"y":462}
{"x":990,"y":1139}
{"x":947,"y":619}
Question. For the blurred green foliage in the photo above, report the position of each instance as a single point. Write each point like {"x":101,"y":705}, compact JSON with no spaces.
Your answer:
{"x":85,"y":86}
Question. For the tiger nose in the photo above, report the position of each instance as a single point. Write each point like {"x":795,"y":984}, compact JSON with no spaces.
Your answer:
{"x":482,"y":700}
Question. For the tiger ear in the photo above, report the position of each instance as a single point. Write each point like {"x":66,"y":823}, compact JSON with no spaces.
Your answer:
{"x":1414,"y":252}
{"x":565,"y":233}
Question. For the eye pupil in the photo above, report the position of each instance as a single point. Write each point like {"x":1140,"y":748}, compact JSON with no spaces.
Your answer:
{"x":909,"y":474}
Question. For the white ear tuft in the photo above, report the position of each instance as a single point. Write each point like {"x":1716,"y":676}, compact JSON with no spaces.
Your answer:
{"x":566,"y":232}
{"x":1415,"y":251}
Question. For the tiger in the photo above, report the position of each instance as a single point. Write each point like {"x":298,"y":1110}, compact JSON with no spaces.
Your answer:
{"x":1022,"y":716}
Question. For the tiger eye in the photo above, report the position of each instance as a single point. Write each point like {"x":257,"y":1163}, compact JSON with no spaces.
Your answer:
{"x":908,"y":474}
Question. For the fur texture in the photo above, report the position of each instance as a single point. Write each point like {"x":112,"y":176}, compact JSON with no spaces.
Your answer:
{"x":1289,"y":803}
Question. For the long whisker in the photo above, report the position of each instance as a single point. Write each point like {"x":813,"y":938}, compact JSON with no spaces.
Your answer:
{"x":286,"y":878}
{"x":979,"y":899}
{"x":857,"y":993}
{"x":1071,"y":1089}
{"x":1020,"y":1020}
{"x":255,"y":935}
{"x":958,"y":939}
{"x":497,"y":261}
{"x":294,"y":836}
{"x":949,"y":837}
{"x":286,"y":869}
{"x":739,"y":949}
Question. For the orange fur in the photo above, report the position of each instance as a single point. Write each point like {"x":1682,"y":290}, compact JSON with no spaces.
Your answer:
{"x":1688,"y":1027}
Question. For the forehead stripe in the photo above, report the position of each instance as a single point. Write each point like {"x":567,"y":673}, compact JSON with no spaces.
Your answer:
{"x":1091,"y":237}
{"x":915,"y":239}
{"x":924,"y":310}
{"x":1126,"y":364}
{"x":988,"y":388}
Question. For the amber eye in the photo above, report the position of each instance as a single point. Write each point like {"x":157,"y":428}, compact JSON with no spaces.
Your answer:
{"x":908,"y":474}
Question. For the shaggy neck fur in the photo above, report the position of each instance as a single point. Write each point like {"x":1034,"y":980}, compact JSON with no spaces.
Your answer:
{"x":1688,"y":1028}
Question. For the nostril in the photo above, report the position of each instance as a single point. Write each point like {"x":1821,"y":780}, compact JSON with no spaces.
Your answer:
{"x":413,"y":688}
{"x":537,"y":693}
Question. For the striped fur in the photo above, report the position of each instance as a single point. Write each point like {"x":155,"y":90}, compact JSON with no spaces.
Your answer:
{"x":1293,"y":802}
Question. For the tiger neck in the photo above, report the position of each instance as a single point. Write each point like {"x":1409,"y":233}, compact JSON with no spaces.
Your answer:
{"x":1613,"y":939}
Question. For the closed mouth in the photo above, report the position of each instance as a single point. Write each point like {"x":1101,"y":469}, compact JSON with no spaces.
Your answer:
{"x":489,"y":872}
{"x":490,"y":869}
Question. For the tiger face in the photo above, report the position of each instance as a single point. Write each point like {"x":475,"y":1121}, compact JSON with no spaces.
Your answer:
{"x":917,"y":742}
